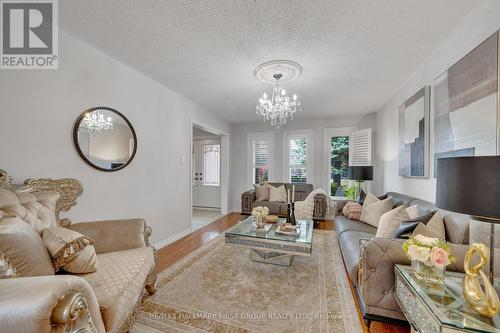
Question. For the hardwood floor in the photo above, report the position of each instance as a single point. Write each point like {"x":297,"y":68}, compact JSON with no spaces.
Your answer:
{"x":170,"y":254}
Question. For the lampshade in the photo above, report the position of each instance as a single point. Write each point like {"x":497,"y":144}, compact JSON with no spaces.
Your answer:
{"x":469,"y":185}
{"x":363,"y":172}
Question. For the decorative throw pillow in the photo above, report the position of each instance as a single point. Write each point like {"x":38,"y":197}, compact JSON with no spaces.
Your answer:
{"x":373,"y":209}
{"x":36,"y":209}
{"x":70,"y":250}
{"x":262,"y":192}
{"x":407,"y":227}
{"x":352,"y":210}
{"x":23,"y":248}
{"x":277,"y":193}
{"x":361,"y":197}
{"x":390,"y":221}
{"x":425,"y":230}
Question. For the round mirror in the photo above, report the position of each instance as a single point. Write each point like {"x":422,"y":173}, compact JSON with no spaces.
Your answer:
{"x":105,"y":139}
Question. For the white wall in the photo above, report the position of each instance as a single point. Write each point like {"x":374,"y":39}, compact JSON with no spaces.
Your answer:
{"x":478,"y":26}
{"x":39,"y":108}
{"x":239,"y":179}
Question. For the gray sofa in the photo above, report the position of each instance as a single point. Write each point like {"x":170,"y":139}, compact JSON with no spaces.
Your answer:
{"x":248,"y":201}
{"x":370,"y":261}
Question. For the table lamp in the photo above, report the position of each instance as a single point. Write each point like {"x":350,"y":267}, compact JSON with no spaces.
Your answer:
{"x":471,"y":185}
{"x":360,"y":173}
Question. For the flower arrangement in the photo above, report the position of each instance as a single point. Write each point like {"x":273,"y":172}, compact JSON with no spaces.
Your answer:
{"x":429,"y":258}
{"x":260,"y":213}
{"x":432,"y":252}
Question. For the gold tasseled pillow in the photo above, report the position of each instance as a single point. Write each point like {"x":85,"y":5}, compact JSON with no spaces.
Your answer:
{"x":70,"y":250}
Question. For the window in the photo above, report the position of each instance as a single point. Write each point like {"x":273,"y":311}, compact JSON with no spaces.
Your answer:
{"x":260,"y":147}
{"x":211,"y":165}
{"x":298,"y":156}
{"x":339,"y":163}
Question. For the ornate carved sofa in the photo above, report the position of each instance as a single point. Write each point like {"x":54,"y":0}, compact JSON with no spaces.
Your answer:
{"x":103,"y":301}
{"x":248,"y":201}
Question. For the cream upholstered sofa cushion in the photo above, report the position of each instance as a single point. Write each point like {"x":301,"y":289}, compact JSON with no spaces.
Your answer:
{"x":373,"y":209}
{"x":70,"y":250}
{"x":262,"y":192}
{"x":37,"y":208}
{"x":277,"y":194}
{"x":23,"y":248}
{"x":390,"y":221}
{"x":119,"y":282}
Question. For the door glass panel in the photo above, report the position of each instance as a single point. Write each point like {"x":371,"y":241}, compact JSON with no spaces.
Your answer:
{"x":211,"y":165}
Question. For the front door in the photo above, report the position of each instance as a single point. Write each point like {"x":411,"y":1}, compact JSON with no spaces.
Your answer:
{"x":206,"y":173}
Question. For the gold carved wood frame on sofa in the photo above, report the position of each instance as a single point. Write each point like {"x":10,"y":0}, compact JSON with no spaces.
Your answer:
{"x":71,"y":312}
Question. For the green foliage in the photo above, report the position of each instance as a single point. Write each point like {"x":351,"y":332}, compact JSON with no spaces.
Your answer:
{"x":339,"y":154}
{"x":333,"y":188}
{"x":349,"y":192}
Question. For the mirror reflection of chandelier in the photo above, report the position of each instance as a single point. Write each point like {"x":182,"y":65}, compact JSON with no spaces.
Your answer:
{"x":280,"y":106}
{"x":94,"y":123}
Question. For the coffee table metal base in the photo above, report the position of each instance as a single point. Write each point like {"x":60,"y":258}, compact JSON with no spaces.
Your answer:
{"x":273,"y":258}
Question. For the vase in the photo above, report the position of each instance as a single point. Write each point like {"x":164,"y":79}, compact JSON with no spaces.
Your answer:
{"x":259,"y":222}
{"x":428,"y":274}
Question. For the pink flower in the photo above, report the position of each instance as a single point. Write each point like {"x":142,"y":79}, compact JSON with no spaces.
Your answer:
{"x":439,"y":257}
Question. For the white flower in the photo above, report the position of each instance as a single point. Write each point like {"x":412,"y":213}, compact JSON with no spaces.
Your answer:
{"x":419,"y":253}
{"x":427,"y":241}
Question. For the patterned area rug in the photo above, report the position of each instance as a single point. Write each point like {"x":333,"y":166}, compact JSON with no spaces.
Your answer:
{"x":218,"y":289}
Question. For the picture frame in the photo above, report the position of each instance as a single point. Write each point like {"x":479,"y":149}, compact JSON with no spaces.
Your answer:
{"x":467,"y":106}
{"x":414,"y":135}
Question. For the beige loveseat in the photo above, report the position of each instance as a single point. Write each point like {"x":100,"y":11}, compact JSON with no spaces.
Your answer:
{"x":103,"y":301}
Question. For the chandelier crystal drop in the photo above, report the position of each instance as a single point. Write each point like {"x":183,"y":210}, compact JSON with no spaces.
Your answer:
{"x":94,"y":123}
{"x":279,"y":106}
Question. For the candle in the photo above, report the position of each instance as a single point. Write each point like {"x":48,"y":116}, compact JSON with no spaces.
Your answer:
{"x":293,"y":193}
{"x":288,"y":196}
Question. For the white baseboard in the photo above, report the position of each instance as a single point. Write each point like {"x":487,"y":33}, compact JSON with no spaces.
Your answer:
{"x":172,"y":239}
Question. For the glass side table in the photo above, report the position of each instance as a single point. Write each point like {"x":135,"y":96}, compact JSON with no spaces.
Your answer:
{"x":434,"y":309}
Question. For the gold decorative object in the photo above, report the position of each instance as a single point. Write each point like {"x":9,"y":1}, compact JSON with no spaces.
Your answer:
{"x":484,"y":302}
{"x":272,"y":218}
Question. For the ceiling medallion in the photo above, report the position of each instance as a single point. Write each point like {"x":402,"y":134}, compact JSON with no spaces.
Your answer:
{"x":280,"y":106}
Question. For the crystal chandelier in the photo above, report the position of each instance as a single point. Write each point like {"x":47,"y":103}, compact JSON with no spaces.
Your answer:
{"x":280,"y":106}
{"x":94,"y":122}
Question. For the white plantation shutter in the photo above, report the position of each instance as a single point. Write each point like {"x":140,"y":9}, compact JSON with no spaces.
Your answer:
{"x":260,"y":148}
{"x":298,"y":148}
{"x":360,"y":147}
{"x":298,"y":155}
{"x":260,"y":153}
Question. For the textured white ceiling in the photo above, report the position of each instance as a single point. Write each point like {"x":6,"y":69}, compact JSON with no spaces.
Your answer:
{"x":355,"y":53}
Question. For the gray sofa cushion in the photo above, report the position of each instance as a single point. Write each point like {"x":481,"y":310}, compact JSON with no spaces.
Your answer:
{"x":349,"y":245}
{"x":275,"y":207}
{"x":343,"y":224}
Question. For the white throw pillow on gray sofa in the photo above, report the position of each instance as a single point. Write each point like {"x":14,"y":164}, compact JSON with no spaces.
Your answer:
{"x":277,"y":193}
{"x":390,"y":221}
{"x":373,"y":209}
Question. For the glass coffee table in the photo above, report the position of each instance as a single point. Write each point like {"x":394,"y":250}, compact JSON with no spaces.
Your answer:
{"x":268,"y":246}
{"x":439,"y":308}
